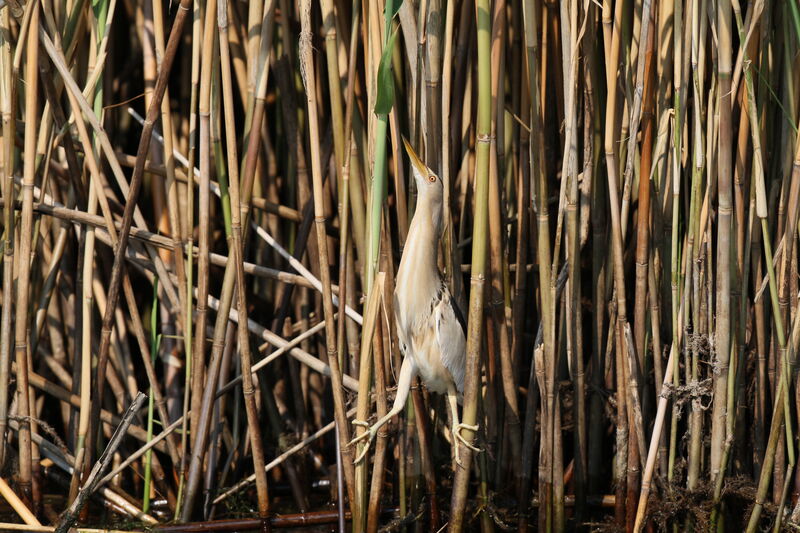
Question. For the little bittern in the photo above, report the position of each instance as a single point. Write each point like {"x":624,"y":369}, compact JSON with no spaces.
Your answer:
{"x":430,"y":327}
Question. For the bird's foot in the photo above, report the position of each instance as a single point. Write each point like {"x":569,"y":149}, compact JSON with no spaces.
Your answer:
{"x":362,"y":423}
{"x":458,"y":436}
{"x":368,"y":435}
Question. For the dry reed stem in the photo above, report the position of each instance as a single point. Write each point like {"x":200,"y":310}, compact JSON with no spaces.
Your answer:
{"x":688,"y":146}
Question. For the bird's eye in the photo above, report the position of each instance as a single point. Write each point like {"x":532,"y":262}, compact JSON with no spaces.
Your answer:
{"x":432,"y":178}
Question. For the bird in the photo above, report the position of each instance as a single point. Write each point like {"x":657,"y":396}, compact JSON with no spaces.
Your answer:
{"x":431,"y":329}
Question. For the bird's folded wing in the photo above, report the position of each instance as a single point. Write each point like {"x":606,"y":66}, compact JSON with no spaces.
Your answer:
{"x":450,"y":337}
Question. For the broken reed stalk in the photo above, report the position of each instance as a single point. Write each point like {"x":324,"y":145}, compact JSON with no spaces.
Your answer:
{"x":16,"y":503}
{"x":90,"y":483}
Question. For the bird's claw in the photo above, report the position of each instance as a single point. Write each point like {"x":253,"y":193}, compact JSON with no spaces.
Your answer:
{"x":460,"y":437}
{"x":368,"y":435}
{"x":457,"y":434}
{"x":362,"y":423}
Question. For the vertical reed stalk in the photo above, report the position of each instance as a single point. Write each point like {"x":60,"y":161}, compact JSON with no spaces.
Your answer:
{"x":543,"y":252}
{"x":23,"y":259}
{"x":309,"y":80}
{"x":622,"y":441}
{"x":237,"y":256}
{"x":569,"y":22}
{"x":496,"y":249}
{"x":7,"y":157}
{"x":674,"y":252}
{"x":723,"y":288}
{"x":194,"y":366}
{"x":452,"y":274}
{"x":644,"y":84}
{"x":478,"y":269}
{"x":203,"y":216}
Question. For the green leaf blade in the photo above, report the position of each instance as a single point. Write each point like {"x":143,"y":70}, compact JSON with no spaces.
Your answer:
{"x":385,"y":97}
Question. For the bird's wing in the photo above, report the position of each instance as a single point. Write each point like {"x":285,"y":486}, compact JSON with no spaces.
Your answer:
{"x":450,"y":336}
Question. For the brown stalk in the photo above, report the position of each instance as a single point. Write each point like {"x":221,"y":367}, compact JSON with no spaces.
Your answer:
{"x":643,"y":219}
{"x":173,"y":210}
{"x":23,"y":259}
{"x":724,"y":325}
{"x":127,"y":287}
{"x":520,"y":283}
{"x":622,"y":440}
{"x":226,"y":297}
{"x":309,"y":80}
{"x":200,"y":431}
{"x":7,"y":96}
{"x":133,"y":195}
{"x":496,"y":296}
{"x":381,"y":444}
{"x":569,"y":22}
{"x":203,"y":215}
{"x":237,"y":249}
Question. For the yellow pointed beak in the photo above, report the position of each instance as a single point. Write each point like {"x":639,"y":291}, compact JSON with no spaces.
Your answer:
{"x":415,"y":160}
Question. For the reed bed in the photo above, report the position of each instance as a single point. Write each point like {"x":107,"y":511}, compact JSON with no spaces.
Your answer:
{"x":207,"y":202}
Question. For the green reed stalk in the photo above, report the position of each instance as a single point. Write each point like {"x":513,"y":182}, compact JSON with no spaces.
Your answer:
{"x":154,"y":343}
{"x":480,"y":231}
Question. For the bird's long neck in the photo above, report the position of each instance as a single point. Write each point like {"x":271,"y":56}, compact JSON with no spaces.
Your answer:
{"x":418,"y":266}
{"x":424,"y":233}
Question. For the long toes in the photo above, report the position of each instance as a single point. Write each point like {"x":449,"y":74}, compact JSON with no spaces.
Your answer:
{"x":361,"y":455}
{"x":460,"y":437}
{"x":365,"y":449}
{"x":357,"y":439}
{"x":468,"y":445}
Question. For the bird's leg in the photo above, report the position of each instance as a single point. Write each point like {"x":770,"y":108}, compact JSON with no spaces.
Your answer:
{"x":452,"y":397}
{"x":407,"y":373}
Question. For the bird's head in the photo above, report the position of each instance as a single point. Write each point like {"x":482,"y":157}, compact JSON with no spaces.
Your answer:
{"x":428,"y":183}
